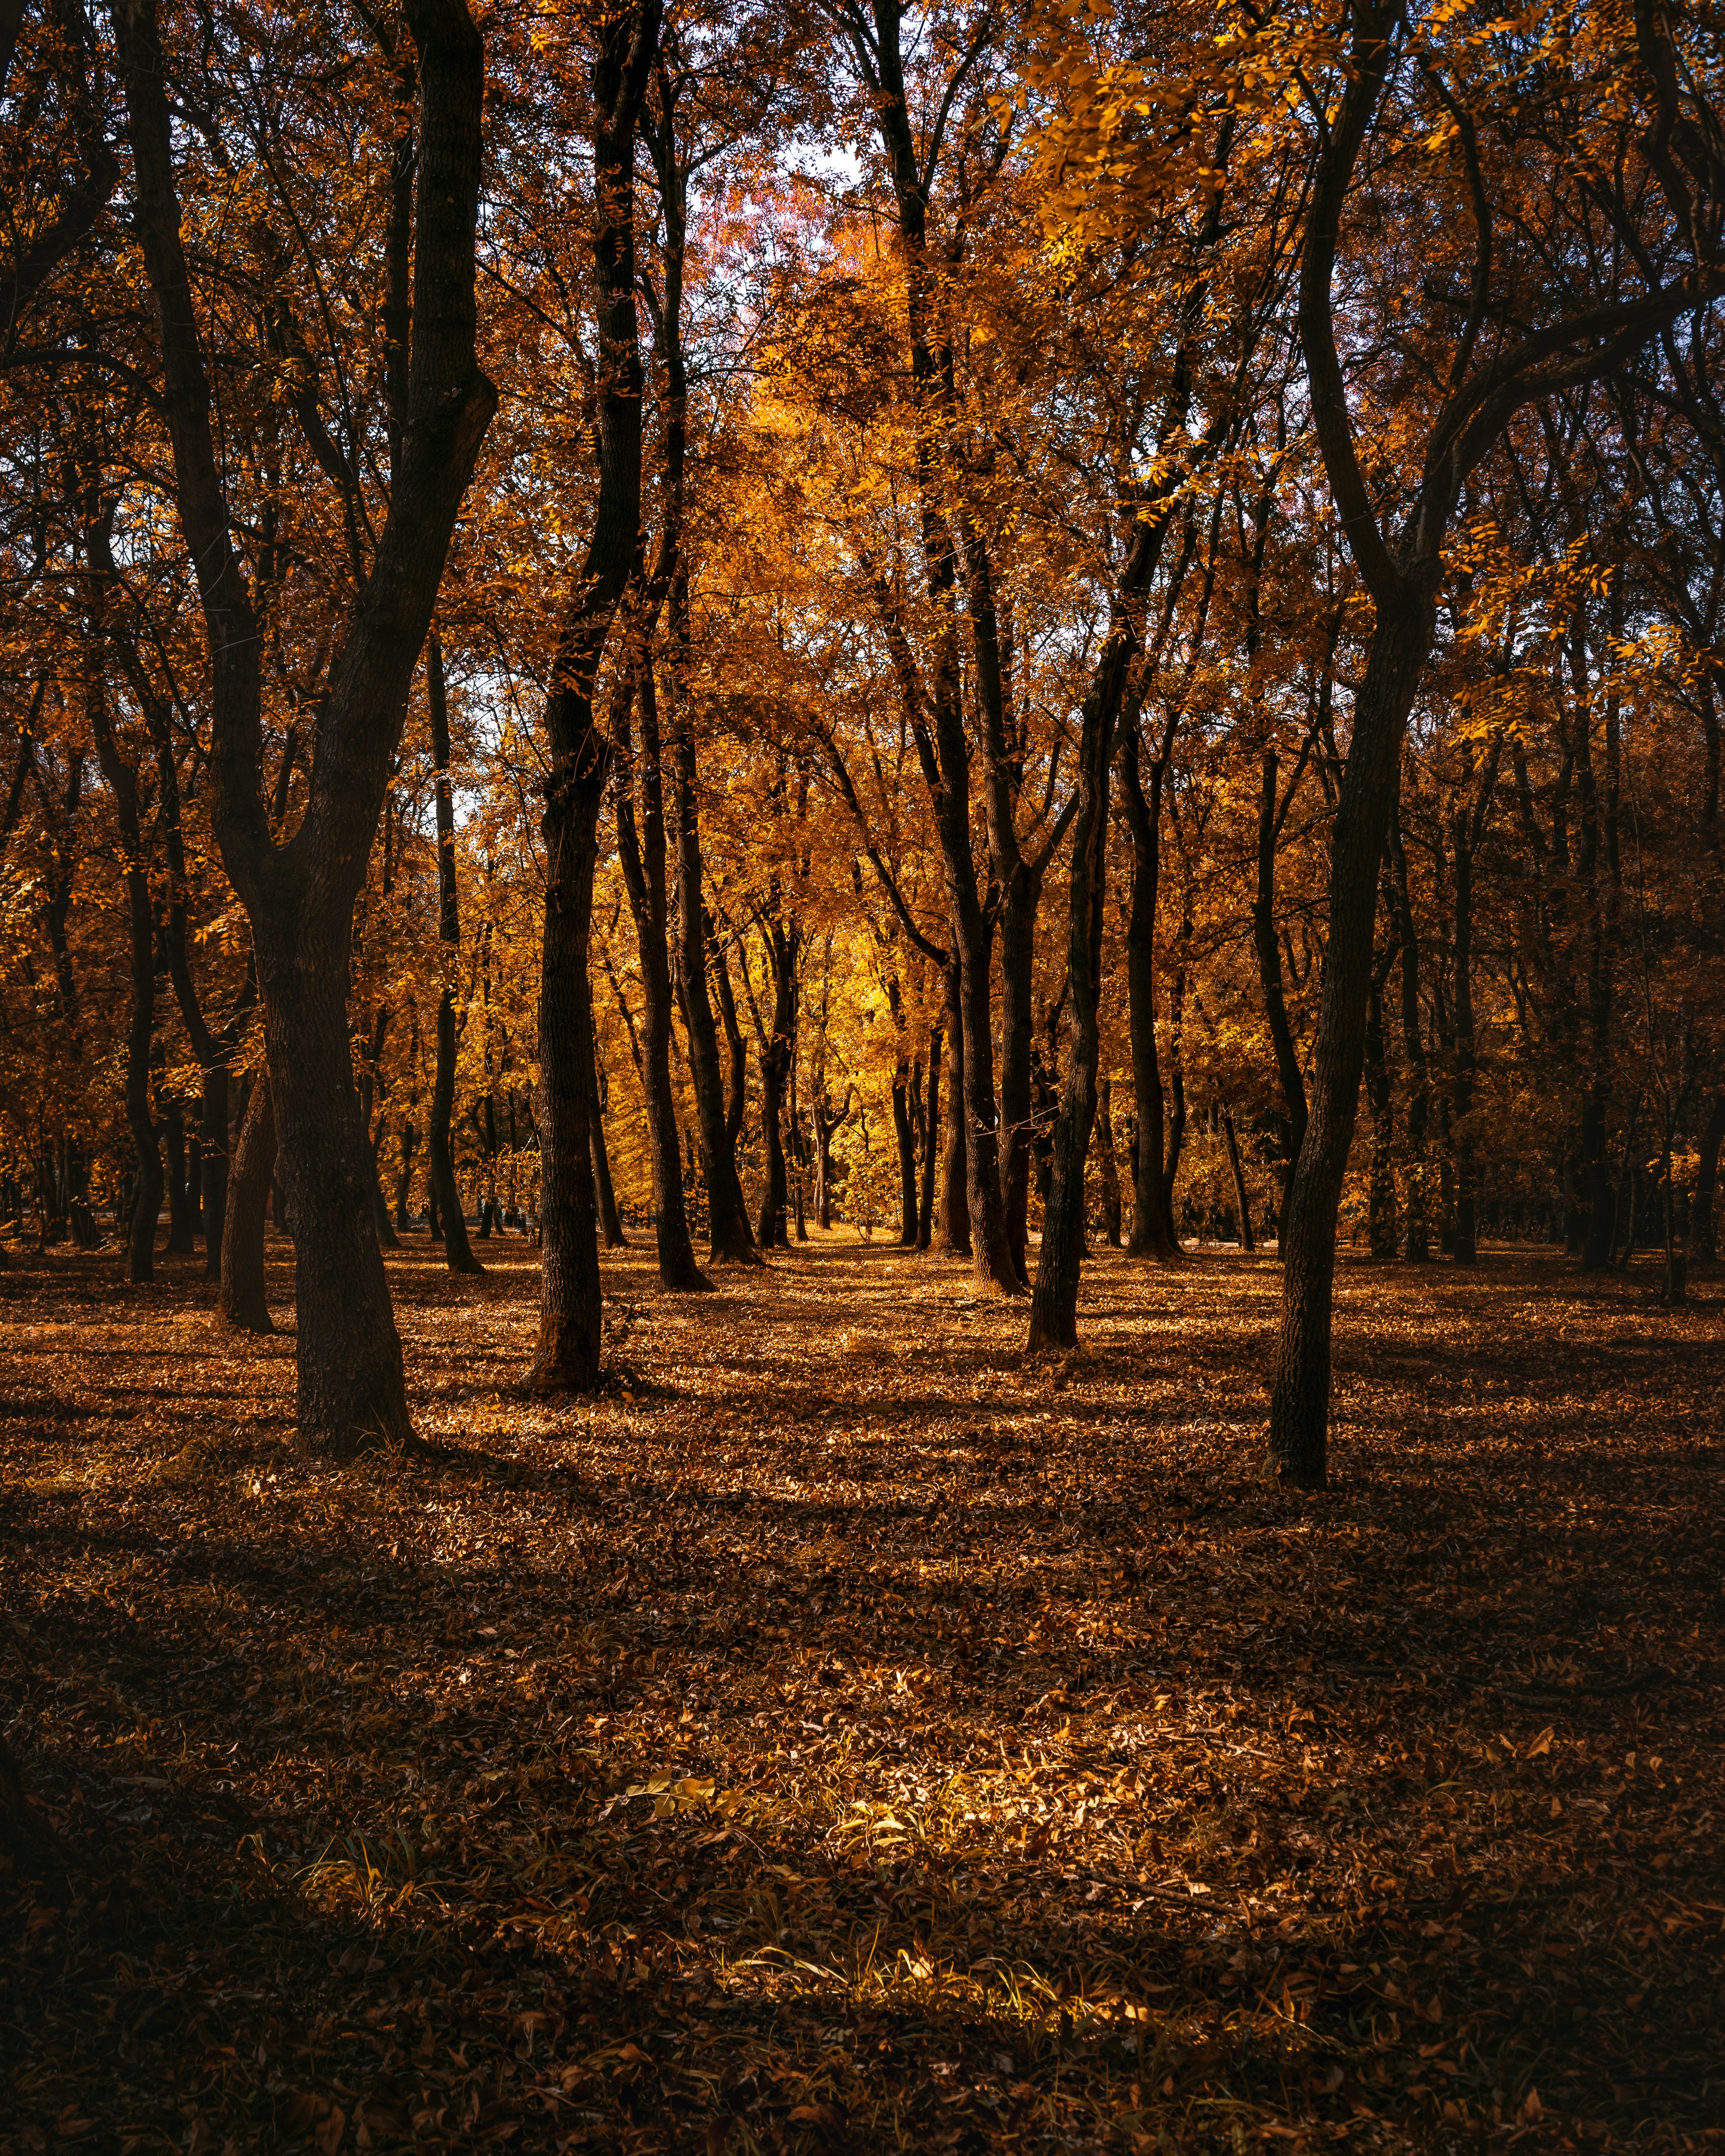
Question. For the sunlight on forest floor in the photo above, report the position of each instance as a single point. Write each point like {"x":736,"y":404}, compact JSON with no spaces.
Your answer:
{"x":842,"y":1733}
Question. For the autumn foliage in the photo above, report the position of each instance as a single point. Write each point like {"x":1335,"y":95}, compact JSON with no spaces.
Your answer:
{"x":672,"y":674}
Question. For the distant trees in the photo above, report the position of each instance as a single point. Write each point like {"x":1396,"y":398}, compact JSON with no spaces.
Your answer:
{"x":1258,"y":480}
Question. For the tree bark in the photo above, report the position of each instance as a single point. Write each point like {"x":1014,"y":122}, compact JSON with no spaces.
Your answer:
{"x":1153,"y":1235}
{"x":214,"y":1195}
{"x":736,"y":1048}
{"x":215,"y":1051}
{"x":729,"y":1238}
{"x":826,"y":1126}
{"x":1401,"y":576}
{"x":457,"y":1251}
{"x":1108,"y":1164}
{"x":242,"y":1303}
{"x":905,"y":1131}
{"x":405,"y":1176}
{"x":1053,"y":1302}
{"x":370,"y":1092}
{"x":641,"y":853}
{"x":181,"y":1241}
{"x":1265,"y":943}
{"x":1177,"y":1095}
{"x":931,"y":1142}
{"x":953,"y":1236}
{"x":1380,"y":1220}
{"x":1416,"y":1210}
{"x":770,"y":1227}
{"x":569,"y":1318}
{"x":299,"y":896}
{"x":1301,"y":1389}
{"x":1469,"y":829}
{"x":941,"y":745}
{"x":1703,"y":1236}
{"x":1240,"y":1198}
{"x":610,"y":1221}
{"x":123,"y":785}
{"x":778,"y":1049}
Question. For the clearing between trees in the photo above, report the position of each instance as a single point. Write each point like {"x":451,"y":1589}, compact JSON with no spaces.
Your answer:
{"x":839,"y":1731}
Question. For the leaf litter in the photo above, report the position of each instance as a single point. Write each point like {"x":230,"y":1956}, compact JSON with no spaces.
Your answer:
{"x":839,"y":1731}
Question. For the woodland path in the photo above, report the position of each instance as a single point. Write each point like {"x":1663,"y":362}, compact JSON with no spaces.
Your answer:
{"x":839,"y":1733}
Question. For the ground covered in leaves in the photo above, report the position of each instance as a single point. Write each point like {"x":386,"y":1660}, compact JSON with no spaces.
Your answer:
{"x":840,"y":1732}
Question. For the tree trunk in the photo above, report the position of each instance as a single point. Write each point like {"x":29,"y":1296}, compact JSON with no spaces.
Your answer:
{"x":1677,"y":1255}
{"x":122,"y":783}
{"x":905,"y":1129}
{"x":729,"y":1240}
{"x":457,"y":1251}
{"x":953,"y":1236}
{"x":778,"y":1051}
{"x":1300,"y":1394}
{"x":798,"y":1159}
{"x":241,"y":1301}
{"x":1153,"y":1233}
{"x":643,"y":861}
{"x":301,"y":896}
{"x":1381,"y":1202}
{"x":1600,"y":1198}
{"x":570,"y":1323}
{"x":1017,"y":951}
{"x":350,"y":1392}
{"x":570,"y":1317}
{"x":770,"y":1228}
{"x":1240,"y":1198}
{"x":1704,"y":1234}
{"x":1108,"y":1164}
{"x":1176,"y":1090}
{"x":404,"y":1177}
{"x":1053,"y":1303}
{"x":382,"y":1224}
{"x":822,"y":1166}
{"x":181,"y":1241}
{"x":1416,"y":1210}
{"x":1381,"y":1206}
{"x":214,"y":1196}
{"x":1269,"y":950}
{"x":931,"y":1142}
{"x":1469,"y":829}
{"x":610,"y":1221}
{"x":141,"y":924}
{"x":985,"y":1202}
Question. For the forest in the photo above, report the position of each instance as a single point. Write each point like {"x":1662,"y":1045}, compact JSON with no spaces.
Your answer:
{"x":862,"y":1061}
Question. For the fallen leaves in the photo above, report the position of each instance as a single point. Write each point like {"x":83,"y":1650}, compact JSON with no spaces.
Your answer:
{"x":832,"y":1742}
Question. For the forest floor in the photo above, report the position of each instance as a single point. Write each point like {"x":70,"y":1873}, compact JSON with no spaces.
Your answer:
{"x":843,"y":1734}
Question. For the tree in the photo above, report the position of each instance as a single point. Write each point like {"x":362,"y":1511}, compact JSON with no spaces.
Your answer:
{"x":299,"y":895}
{"x":568,"y":1357}
{"x":1496,"y":367}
